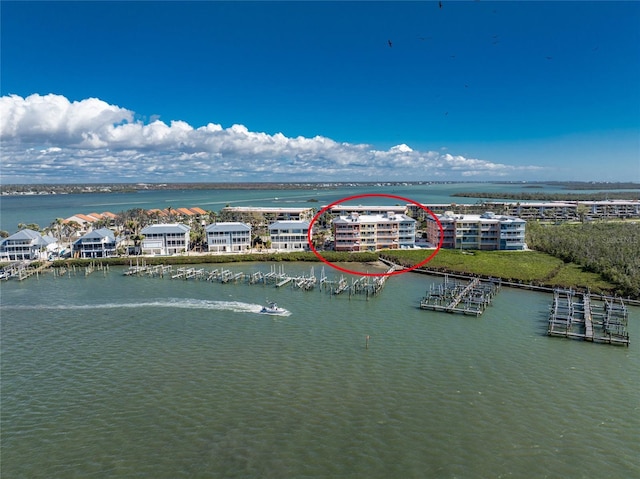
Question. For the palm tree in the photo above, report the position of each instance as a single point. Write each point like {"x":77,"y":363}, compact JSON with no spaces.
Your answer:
{"x":319,"y":239}
{"x":56,"y":228}
{"x":197,"y":238}
{"x":132,"y":232}
{"x":137,"y":240}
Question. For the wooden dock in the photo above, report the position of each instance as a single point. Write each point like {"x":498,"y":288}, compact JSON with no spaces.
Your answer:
{"x":22,"y":270}
{"x":276,"y":277}
{"x":579,"y":316}
{"x":455,"y":297}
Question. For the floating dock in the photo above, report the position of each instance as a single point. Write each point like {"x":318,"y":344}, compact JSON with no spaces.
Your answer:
{"x":578,"y":316}
{"x":471,"y":298}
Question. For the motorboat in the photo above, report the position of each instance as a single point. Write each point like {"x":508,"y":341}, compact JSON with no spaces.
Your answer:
{"x":273,"y":308}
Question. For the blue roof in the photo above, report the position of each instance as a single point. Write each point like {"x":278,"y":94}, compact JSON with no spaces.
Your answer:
{"x":100,"y":233}
{"x":165,"y":229}
{"x":27,"y":234}
{"x":228,"y":226}
{"x":289,"y":224}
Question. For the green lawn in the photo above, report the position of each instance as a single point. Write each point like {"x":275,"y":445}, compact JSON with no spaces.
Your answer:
{"x":519,"y":266}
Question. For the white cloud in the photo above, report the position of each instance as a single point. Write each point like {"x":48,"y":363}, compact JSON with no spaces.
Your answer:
{"x":48,"y":138}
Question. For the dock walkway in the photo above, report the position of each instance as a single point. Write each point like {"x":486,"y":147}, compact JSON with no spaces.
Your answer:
{"x":455,"y":297}
{"x":22,"y":270}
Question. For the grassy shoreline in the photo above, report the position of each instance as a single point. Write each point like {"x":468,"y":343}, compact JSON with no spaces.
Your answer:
{"x":519,"y":267}
{"x":331,"y":256}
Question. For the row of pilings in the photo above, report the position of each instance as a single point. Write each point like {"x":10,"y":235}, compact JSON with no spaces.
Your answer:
{"x":276,"y":276}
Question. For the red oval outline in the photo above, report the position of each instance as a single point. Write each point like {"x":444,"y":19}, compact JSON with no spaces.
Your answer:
{"x":369,"y":195}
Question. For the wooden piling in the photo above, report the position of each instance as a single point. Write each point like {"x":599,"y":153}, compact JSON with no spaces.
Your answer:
{"x":582,"y":317}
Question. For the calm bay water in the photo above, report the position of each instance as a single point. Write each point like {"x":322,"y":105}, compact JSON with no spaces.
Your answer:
{"x":43,"y":210}
{"x":113,"y":376}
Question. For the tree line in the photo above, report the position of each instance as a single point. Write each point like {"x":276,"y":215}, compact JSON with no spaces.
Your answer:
{"x":609,"y":249}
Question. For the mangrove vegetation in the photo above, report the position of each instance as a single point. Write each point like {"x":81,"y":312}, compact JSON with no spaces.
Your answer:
{"x":610,"y":249}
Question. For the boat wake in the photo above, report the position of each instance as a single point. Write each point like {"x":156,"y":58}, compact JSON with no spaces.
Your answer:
{"x":178,"y":303}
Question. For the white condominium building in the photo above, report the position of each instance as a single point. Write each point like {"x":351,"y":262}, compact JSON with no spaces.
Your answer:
{"x":480,"y":232}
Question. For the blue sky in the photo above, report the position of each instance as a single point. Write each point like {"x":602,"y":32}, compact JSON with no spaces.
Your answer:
{"x":319,"y":91}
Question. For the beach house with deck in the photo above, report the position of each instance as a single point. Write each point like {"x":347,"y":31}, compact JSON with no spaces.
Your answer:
{"x":289,"y":235}
{"x":165,"y":239}
{"x":228,"y":237}
{"x":26,"y":244}
{"x":100,"y":243}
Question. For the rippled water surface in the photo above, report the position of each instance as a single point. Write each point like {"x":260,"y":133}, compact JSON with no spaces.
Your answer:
{"x":113,"y":376}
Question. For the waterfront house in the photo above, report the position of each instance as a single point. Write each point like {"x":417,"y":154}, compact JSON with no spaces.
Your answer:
{"x":480,"y":232}
{"x":289,"y":235}
{"x":165,"y":239}
{"x":26,"y":244}
{"x":228,"y":237}
{"x":100,"y":243}
{"x":358,"y":232}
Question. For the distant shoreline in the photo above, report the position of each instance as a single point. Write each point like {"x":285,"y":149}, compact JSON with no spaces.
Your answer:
{"x":89,"y":188}
{"x":45,"y":189}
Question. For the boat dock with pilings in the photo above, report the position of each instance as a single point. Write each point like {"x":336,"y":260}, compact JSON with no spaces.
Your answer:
{"x":580,"y":316}
{"x":453,"y":296}
{"x":276,"y":277}
{"x":22,"y":270}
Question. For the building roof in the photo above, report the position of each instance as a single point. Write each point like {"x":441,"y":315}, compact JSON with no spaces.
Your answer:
{"x":99,"y":233}
{"x":27,"y":234}
{"x":158,"y":211}
{"x":80,"y":218}
{"x":178,"y":211}
{"x":185,"y":211}
{"x":49,"y":240}
{"x":364,"y":209}
{"x":289,"y":224}
{"x":483,"y":218}
{"x":165,"y":229}
{"x":368,"y":219}
{"x":259,"y":209}
{"x":228,"y":226}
